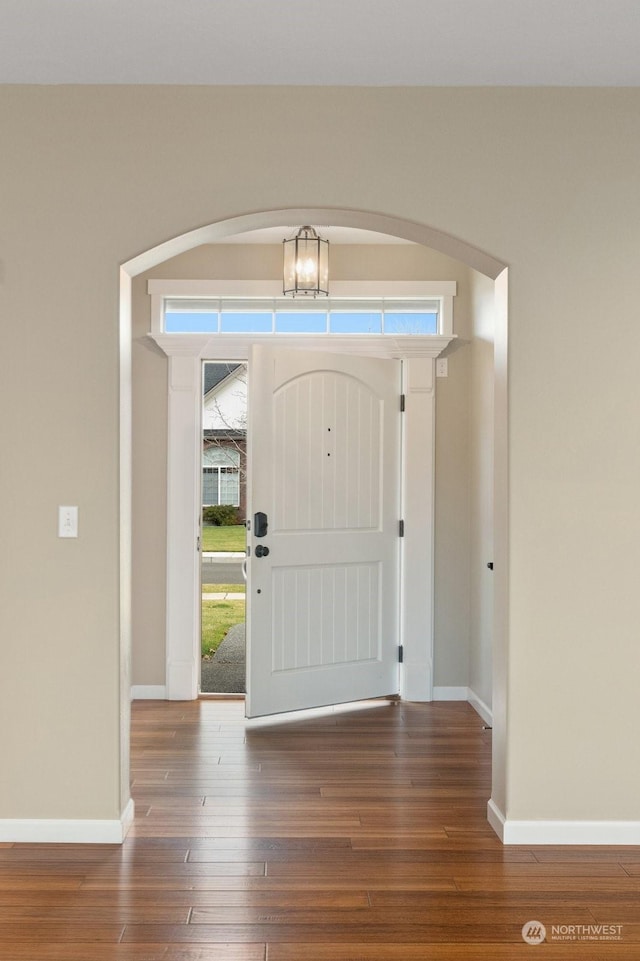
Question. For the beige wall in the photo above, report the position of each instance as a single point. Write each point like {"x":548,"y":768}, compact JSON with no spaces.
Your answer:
{"x":545,"y":180}
{"x":399,"y":262}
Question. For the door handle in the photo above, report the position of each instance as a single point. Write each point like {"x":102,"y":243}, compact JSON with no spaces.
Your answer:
{"x":262,"y":551}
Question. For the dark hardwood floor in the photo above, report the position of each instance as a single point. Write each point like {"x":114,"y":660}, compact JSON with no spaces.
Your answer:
{"x":359,"y":835}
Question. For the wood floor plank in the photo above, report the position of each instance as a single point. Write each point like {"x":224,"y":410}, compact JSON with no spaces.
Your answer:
{"x":270,"y":844}
{"x":429,"y":853}
{"x":355,"y":932}
{"x":52,"y":931}
{"x":187,"y":870}
{"x":188,"y":827}
{"x":119,"y":914}
{"x":568,"y":884}
{"x":93,"y":951}
{"x":624,"y":855}
{"x":482,"y":845}
{"x":332,"y":918}
{"x":178,"y":900}
{"x":503,"y":873}
{"x":494,"y":951}
{"x":29,"y":883}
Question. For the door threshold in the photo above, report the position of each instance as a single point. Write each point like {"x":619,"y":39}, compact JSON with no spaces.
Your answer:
{"x":212,"y":696}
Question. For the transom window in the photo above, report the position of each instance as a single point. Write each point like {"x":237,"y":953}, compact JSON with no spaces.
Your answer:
{"x":350,"y":316}
{"x":391,"y":317}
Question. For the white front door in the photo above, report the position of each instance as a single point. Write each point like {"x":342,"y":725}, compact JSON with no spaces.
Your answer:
{"x":323,"y":578}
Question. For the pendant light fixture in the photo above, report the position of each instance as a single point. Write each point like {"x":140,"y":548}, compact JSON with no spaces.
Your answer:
{"x":306,"y":265}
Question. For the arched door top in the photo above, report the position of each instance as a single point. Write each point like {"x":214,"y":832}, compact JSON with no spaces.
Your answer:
{"x":322,"y":216}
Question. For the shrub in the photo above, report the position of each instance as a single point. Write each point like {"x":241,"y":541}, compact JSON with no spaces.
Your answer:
{"x":220,"y":515}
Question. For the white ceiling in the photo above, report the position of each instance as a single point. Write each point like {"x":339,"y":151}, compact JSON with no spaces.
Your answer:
{"x":335,"y":235}
{"x":350,"y":42}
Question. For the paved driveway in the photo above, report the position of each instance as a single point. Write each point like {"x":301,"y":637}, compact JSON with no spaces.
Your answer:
{"x":221,"y":570}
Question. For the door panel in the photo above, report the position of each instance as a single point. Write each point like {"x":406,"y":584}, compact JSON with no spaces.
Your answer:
{"x":324,"y":465}
{"x":330,"y":478}
{"x":339,"y":622}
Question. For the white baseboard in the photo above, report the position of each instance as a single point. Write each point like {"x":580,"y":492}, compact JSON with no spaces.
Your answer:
{"x":148,"y":692}
{"x":482,"y":709}
{"x":496,"y":818}
{"x":450,"y":693}
{"x":127,"y":816}
{"x":562,"y":832}
{"x":66,"y":831}
{"x":464,"y":694}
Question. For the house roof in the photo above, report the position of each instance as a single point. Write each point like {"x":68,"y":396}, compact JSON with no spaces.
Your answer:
{"x":214,"y":374}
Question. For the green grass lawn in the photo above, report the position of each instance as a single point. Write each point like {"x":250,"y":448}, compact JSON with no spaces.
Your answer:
{"x":224,"y":538}
{"x":217,"y":618}
{"x":224,"y":589}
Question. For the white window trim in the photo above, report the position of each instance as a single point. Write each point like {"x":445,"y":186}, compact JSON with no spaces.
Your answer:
{"x":228,"y":451}
{"x":236,"y":347}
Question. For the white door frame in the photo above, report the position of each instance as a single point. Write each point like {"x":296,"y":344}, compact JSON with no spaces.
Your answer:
{"x":186,"y":354}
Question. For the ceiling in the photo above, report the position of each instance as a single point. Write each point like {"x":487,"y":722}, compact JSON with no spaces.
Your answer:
{"x":335,"y":235}
{"x":333,"y":42}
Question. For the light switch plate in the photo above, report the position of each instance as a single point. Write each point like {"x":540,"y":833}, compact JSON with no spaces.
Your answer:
{"x":442,"y":367}
{"x":67,"y":521}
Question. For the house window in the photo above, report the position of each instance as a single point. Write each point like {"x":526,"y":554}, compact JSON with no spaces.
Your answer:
{"x":220,"y":476}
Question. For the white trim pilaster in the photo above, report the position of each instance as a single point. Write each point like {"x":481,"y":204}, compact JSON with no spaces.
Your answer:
{"x":183,"y":524}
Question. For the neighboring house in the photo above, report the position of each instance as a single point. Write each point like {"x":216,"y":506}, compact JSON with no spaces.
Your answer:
{"x":224,"y":431}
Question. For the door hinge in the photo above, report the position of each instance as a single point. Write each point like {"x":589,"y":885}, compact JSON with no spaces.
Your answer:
{"x":400,"y":528}
{"x":403,"y":403}
{"x":400,"y":653}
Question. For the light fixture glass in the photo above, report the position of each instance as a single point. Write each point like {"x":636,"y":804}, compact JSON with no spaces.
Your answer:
{"x":306,"y":265}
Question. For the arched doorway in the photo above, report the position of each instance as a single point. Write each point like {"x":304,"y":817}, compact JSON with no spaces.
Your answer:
{"x":451,"y":246}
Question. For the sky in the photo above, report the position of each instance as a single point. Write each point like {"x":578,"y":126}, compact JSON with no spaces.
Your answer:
{"x":307,"y":321}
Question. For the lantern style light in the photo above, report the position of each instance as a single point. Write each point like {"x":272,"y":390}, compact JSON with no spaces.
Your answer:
{"x":306,"y":265}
